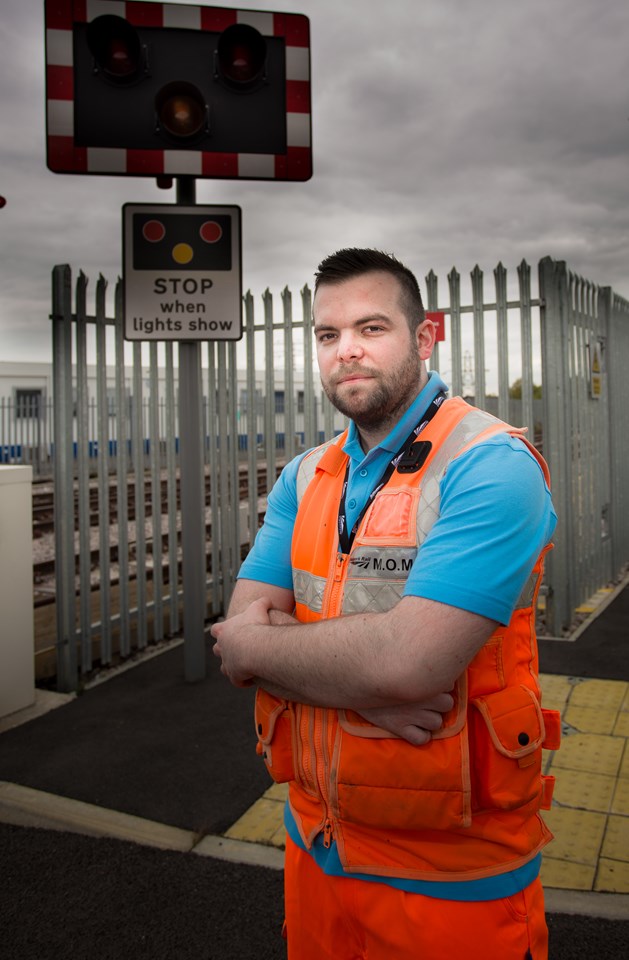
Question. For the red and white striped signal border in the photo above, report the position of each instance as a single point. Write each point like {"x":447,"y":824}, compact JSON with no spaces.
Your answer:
{"x":65,"y":157}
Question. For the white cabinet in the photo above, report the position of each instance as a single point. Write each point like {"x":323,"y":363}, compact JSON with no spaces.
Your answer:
{"x":17,"y":671}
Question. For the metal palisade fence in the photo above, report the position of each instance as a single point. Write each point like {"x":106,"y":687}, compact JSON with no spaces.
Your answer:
{"x":552,"y":362}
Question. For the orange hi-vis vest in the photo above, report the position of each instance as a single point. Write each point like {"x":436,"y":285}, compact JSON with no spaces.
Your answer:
{"x":465,"y":805}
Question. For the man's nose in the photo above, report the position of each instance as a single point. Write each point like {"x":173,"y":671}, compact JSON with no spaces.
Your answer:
{"x":349,"y":346}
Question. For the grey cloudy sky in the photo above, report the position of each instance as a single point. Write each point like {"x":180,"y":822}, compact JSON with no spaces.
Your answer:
{"x":450,"y":132}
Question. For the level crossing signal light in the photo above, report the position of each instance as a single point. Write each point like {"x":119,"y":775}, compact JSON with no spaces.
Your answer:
{"x":173,"y":90}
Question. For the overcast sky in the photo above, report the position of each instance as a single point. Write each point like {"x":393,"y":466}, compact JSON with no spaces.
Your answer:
{"x":449,"y":132}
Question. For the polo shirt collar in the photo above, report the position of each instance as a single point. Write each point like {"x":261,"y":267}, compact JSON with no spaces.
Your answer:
{"x":394,"y":440}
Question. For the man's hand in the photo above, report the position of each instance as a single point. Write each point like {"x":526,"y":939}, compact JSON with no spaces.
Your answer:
{"x":233,"y":637}
{"x":414,"y":722}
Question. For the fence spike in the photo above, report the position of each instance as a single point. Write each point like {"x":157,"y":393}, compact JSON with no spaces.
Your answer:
{"x":454,"y":275}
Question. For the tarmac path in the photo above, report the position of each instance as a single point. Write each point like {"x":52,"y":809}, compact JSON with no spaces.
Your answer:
{"x":172,"y":764}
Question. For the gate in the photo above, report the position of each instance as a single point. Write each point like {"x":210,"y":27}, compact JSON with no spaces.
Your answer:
{"x":585,"y":345}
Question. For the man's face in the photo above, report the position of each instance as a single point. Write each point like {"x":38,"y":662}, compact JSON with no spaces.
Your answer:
{"x":369,"y":361}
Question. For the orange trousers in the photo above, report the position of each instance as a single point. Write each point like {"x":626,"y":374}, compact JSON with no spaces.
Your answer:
{"x":339,"y":918}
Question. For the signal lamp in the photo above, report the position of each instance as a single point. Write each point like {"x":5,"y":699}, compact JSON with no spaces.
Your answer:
{"x":181,"y":110}
{"x":116,"y":48}
{"x":241,"y":57}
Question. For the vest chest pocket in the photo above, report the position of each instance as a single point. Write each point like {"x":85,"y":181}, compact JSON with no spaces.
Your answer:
{"x":392,"y":517}
{"x":506,"y":731}
{"x":273,"y":729}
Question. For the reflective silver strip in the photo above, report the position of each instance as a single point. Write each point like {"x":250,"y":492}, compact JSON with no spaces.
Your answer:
{"x":375,"y":596}
{"x":428,"y":508}
{"x":528,"y":592}
{"x":309,"y":590}
{"x":307,"y":467}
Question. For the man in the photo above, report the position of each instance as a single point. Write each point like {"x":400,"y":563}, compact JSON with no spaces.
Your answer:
{"x":386,"y":615}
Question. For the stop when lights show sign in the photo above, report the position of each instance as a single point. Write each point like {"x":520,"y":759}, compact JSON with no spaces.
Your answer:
{"x":182,"y":272}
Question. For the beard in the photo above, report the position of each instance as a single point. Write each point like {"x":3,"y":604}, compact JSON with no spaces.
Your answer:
{"x":385,"y":400}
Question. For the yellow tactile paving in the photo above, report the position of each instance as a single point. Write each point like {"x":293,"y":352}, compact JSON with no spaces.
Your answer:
{"x":259,"y":824}
{"x":555,"y":691}
{"x":616,"y":840}
{"x":562,"y":875}
{"x":590,"y":812}
{"x":620,"y":802}
{"x":278,"y":791}
{"x":599,"y":694}
{"x":580,"y":789}
{"x":578,"y":834}
{"x":591,"y":719}
{"x":612,"y":877}
{"x":592,"y":752}
{"x":621,"y":727}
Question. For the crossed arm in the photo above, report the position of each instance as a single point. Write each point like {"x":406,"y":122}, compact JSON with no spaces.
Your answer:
{"x":394,"y":668}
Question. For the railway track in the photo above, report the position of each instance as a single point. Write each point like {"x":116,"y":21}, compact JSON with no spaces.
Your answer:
{"x":43,"y":527}
{"x":43,"y":498}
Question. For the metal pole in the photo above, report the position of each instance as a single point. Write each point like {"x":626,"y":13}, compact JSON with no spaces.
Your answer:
{"x":192,"y":490}
{"x":67,"y":665}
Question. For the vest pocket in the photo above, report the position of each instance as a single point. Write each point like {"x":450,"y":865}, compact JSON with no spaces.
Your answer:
{"x":273,"y":729}
{"x":389,"y":784}
{"x":506,"y":734}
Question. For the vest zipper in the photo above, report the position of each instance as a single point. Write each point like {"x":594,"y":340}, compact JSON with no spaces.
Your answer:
{"x":319,"y":733}
{"x":337,"y":584}
{"x":327,"y":834}
{"x":320,"y":753}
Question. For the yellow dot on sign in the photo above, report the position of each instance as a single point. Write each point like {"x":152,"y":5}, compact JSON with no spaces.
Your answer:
{"x":182,"y":253}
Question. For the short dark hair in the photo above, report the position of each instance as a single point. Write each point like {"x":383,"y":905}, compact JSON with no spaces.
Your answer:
{"x":354,"y":262}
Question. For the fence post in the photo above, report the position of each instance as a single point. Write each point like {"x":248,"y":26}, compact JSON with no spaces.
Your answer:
{"x":252,"y":418}
{"x":456,"y":379}
{"x":289,"y":378}
{"x":311,"y":432}
{"x":83,"y":475}
{"x":102,"y":433}
{"x":557,"y":436}
{"x":502,"y":338}
{"x":432,"y":303}
{"x":616,"y":312}
{"x":479,"y":336}
{"x":528,"y":416}
{"x":67,"y":666}
{"x":270,"y":413}
{"x":122,"y":475}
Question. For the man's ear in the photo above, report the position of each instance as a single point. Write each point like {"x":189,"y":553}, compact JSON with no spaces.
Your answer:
{"x":426,"y":338}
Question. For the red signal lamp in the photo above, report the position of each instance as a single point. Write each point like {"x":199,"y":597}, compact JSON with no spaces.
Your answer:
{"x":241,"y":57}
{"x":116,"y":48}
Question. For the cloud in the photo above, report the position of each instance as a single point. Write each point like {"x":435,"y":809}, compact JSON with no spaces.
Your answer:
{"x":446,"y":132}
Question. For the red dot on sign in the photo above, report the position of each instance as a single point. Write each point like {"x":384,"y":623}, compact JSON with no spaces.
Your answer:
{"x":153,"y":231}
{"x":211,"y":231}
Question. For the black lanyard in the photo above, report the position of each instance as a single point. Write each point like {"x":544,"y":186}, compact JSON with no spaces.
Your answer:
{"x":408,"y":459}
